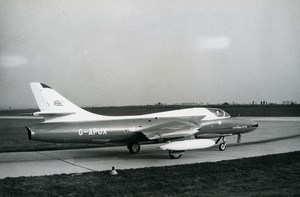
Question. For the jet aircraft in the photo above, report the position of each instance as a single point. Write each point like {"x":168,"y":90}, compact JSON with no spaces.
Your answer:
{"x":178,"y":130}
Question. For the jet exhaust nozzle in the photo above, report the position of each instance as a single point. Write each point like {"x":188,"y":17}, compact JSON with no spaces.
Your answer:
{"x":29,"y":133}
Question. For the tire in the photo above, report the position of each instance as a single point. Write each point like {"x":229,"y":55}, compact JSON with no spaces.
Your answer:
{"x":222,"y":146}
{"x":134,"y":148}
{"x":174,"y":155}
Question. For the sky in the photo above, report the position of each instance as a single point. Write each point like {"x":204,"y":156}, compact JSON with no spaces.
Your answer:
{"x":133,"y":52}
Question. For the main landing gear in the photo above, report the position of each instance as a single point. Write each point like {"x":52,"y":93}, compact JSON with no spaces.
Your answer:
{"x":222,"y":146}
{"x":175,"y":154}
{"x":134,"y":147}
{"x":239,"y":138}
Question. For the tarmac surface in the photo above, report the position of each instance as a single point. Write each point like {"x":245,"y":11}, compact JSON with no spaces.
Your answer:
{"x":273,"y":136}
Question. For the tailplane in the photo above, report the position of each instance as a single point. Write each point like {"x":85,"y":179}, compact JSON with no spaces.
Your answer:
{"x":53,"y":106}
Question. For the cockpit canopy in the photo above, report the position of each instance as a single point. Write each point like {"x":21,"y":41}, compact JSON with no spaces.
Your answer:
{"x":219,"y":112}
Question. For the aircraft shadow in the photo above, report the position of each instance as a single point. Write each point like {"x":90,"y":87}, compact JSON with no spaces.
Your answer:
{"x":121,"y":153}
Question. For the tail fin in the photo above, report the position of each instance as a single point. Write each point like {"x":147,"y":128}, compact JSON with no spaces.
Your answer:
{"x":53,"y":105}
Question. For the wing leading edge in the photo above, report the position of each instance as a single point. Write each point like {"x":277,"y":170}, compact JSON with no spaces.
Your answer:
{"x":174,"y":129}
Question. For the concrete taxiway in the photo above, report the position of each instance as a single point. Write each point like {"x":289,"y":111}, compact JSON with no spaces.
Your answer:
{"x":274,"y":135}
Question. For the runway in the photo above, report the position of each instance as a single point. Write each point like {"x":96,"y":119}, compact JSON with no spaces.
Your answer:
{"x":274,"y":135}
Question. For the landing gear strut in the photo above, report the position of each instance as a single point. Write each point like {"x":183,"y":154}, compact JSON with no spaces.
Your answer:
{"x":222,"y":146}
{"x":175,"y":154}
{"x":239,"y":138}
{"x":134,"y":147}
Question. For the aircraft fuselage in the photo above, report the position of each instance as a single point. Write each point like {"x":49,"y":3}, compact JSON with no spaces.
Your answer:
{"x":127,"y":130}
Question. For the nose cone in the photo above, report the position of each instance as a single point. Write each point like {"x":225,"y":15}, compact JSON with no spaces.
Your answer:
{"x":252,"y":125}
{"x":241,"y":125}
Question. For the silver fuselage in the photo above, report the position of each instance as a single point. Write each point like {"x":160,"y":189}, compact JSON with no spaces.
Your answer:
{"x":128,"y":130}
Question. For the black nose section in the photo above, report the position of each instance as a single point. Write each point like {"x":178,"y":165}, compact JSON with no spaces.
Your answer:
{"x":254,"y":124}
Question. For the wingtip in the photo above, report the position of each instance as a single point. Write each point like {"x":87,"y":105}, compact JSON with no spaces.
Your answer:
{"x":45,"y":86}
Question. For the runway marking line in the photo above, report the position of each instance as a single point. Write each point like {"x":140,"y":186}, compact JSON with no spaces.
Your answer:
{"x":66,"y":161}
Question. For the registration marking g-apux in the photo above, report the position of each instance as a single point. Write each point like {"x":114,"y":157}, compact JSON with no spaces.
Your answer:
{"x":92,"y":131}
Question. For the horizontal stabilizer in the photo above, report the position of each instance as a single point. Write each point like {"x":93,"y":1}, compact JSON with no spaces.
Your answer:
{"x":188,"y":145}
{"x":52,"y":113}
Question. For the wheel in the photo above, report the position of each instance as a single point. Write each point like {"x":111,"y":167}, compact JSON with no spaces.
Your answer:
{"x":222,"y":146}
{"x":175,"y":155}
{"x":134,"y":148}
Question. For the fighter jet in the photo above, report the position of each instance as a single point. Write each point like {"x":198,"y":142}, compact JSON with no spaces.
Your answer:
{"x":176,"y":131}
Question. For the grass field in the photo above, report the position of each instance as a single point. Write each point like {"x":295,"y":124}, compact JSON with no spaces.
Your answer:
{"x":273,"y":175}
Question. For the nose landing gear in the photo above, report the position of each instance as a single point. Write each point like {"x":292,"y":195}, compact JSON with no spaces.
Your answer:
{"x":239,"y":138}
{"x":222,"y":146}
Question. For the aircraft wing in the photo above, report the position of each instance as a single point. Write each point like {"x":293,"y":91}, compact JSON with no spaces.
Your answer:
{"x":173,"y":129}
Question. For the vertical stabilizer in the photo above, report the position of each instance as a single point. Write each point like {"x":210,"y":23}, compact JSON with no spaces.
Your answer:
{"x":54,"y":106}
{"x":37,"y":90}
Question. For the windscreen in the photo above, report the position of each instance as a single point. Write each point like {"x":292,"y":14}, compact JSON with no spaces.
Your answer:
{"x":219,"y":112}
